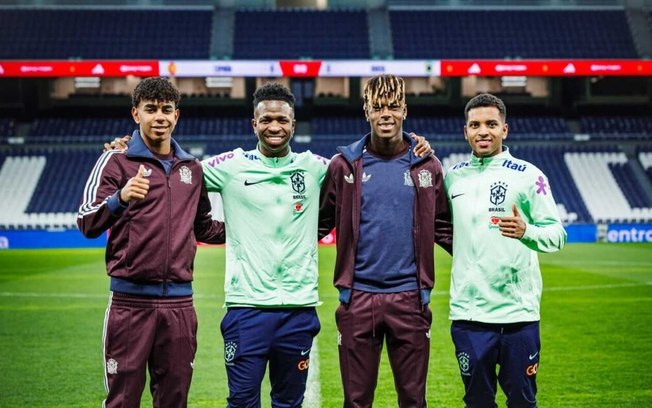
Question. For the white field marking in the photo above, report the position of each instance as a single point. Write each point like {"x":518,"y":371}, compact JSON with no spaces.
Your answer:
{"x":588,"y":287}
{"x":52,"y":295}
{"x":312,"y":397}
{"x":79,"y":295}
{"x":434,"y":293}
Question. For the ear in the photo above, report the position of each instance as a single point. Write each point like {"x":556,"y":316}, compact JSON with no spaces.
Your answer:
{"x":366,"y":114}
{"x":253,"y":125}
{"x":505,"y":131}
{"x":466,"y":136}
{"x":405,"y":112}
{"x":177,"y":113}
{"x":134,"y":114}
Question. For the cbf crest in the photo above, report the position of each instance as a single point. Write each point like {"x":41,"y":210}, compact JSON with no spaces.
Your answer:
{"x":186,"y":175}
{"x":498,"y":193}
{"x":298,"y":182}
{"x":230,"y":347}
{"x":425,"y":179}
{"x":464,"y":361}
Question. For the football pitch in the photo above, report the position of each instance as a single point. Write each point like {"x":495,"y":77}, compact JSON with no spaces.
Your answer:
{"x":596,"y":331}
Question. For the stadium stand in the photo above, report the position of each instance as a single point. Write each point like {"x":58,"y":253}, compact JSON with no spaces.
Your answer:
{"x":645,"y":158}
{"x":99,"y":130}
{"x":301,"y":33}
{"x":592,"y":183}
{"x":511,"y":34}
{"x":599,"y":188}
{"x":617,"y":127}
{"x":134,"y":34}
{"x":626,"y":179}
{"x":78,"y":130}
{"x":597,"y":177}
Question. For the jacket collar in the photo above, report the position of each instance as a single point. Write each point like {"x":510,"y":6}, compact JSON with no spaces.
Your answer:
{"x":355,"y":150}
{"x":138,"y":148}
{"x":484,"y":161}
{"x":271,"y":161}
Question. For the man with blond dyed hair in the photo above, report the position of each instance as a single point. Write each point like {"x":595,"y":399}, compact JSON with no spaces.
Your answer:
{"x":388,"y":207}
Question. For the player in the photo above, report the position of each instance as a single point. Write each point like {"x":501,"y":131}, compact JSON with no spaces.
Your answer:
{"x":503,"y":214}
{"x":388,"y":207}
{"x":153,"y":201}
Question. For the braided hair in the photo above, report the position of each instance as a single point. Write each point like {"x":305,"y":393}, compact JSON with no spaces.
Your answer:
{"x":386,"y":86}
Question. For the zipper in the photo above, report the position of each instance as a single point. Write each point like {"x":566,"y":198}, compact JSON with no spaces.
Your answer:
{"x":415,"y":235}
{"x":355,"y":213}
{"x":167,"y":233}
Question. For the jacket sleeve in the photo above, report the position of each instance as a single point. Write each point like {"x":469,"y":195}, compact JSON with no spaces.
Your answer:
{"x":443,"y":219}
{"x":215,"y":174}
{"x":327,"y":201}
{"x":207,"y":229}
{"x":100,"y":203}
{"x":544,"y":231}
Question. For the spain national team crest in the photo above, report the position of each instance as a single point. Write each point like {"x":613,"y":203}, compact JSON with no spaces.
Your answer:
{"x":425,"y":179}
{"x":498,"y":193}
{"x":298,"y":182}
{"x":186,"y":175}
{"x":111,"y":366}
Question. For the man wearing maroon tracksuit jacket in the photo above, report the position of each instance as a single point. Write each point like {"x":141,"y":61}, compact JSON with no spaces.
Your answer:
{"x":153,"y":200}
{"x":388,"y":207}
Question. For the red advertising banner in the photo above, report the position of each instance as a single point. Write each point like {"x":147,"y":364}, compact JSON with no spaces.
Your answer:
{"x":545,"y":67}
{"x":78,"y":68}
{"x":300,"y":68}
{"x":310,"y":69}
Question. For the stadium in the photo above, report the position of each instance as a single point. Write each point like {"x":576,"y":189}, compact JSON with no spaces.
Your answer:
{"x":576,"y":76}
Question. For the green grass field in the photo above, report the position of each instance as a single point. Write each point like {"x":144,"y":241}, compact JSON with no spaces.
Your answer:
{"x":596,"y":331}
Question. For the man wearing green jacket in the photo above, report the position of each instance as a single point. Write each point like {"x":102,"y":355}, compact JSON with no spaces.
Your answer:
{"x":503,"y":214}
{"x":271,"y":201}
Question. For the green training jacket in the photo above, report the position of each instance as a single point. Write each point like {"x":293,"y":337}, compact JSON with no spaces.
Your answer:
{"x":496,"y":279}
{"x":271,"y":206}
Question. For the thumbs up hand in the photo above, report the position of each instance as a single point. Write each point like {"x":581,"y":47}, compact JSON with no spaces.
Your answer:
{"x":513,"y":227}
{"x":119,"y":143}
{"x":136,"y":188}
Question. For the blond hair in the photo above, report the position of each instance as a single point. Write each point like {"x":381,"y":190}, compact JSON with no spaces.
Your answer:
{"x":387,"y":86}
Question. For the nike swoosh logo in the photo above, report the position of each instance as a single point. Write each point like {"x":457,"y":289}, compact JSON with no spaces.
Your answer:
{"x":531,"y":356}
{"x":251,"y":183}
{"x":304,"y":352}
{"x":456,"y":195}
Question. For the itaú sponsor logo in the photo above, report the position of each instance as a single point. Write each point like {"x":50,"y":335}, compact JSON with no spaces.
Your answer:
{"x":629,"y":233}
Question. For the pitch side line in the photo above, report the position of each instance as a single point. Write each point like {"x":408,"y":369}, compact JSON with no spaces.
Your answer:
{"x":204,"y":296}
{"x":312,"y":397}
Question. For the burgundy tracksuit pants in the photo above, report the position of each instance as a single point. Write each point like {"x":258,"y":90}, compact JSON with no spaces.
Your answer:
{"x":364,"y":324}
{"x":142,"y":333}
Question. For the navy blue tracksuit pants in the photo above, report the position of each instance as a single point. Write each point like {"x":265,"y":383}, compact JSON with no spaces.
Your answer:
{"x":481,"y":347}
{"x":255,"y":336}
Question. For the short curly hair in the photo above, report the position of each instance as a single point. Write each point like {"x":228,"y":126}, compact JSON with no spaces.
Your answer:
{"x":155,"y":89}
{"x":486,"y":100}
{"x":273,"y":91}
